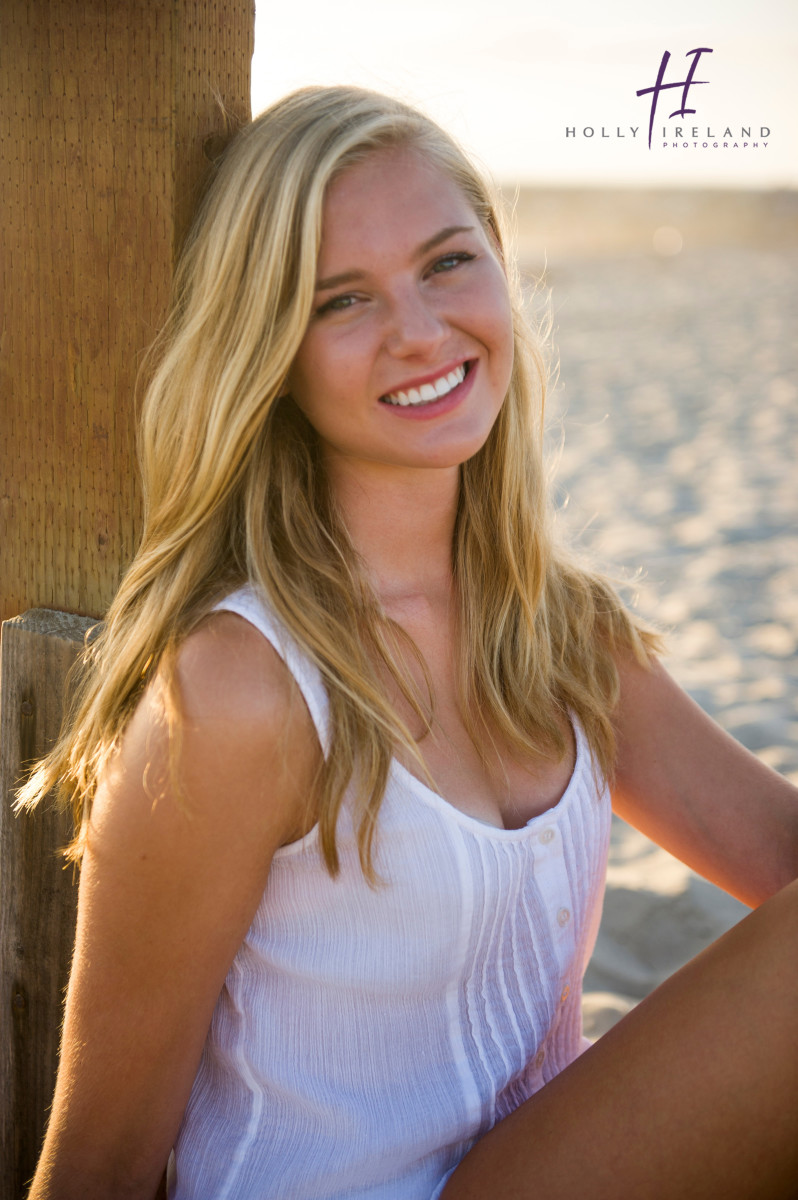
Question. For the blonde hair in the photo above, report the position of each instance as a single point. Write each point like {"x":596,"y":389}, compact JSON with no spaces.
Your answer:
{"x":234,"y":490}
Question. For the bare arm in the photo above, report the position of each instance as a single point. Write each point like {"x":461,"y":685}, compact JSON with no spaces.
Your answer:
{"x":694,"y":1093}
{"x":692,"y":788}
{"x":168,"y":890}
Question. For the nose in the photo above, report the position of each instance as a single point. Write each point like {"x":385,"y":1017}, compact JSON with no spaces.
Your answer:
{"x":413,"y":326}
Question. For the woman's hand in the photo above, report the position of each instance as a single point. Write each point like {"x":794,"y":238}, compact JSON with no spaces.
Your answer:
{"x":692,"y":788}
{"x":169,"y":887}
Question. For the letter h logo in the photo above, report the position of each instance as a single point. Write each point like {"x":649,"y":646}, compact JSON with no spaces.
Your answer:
{"x":687,"y":83}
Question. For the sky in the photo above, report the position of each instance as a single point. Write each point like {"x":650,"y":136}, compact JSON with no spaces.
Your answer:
{"x":509,"y":77}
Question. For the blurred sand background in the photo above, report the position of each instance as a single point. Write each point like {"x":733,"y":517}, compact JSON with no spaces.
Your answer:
{"x":675,"y":417}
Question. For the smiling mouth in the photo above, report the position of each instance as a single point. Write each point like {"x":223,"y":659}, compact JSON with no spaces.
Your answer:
{"x":428,"y":393}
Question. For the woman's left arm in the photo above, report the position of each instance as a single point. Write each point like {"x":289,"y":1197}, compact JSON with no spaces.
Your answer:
{"x":690,"y":787}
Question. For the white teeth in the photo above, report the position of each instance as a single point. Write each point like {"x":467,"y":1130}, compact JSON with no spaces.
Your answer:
{"x":429,"y":391}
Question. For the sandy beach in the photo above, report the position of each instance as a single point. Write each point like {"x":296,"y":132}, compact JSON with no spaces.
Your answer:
{"x":675,"y":422}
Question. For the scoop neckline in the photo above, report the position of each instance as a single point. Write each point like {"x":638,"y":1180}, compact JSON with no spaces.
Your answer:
{"x":296,"y":662}
{"x":440,"y":804}
{"x":435,"y":800}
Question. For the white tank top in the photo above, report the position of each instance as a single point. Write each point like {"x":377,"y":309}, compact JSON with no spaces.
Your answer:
{"x":364,"y":1038}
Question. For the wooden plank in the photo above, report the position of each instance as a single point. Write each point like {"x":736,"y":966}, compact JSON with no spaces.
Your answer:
{"x":105,"y":109}
{"x":108,"y":115}
{"x":37,"y":894}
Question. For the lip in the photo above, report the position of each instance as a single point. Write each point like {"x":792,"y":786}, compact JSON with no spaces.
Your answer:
{"x":420,"y":380}
{"x":434,"y":408}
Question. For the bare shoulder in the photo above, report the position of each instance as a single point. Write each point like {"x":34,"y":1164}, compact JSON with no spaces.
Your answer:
{"x":227,"y":668}
{"x":242,"y":748}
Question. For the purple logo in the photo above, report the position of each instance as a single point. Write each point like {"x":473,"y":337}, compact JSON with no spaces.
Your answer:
{"x":686,"y":84}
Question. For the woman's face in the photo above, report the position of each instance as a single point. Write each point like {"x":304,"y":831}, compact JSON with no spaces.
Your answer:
{"x":408,"y":353}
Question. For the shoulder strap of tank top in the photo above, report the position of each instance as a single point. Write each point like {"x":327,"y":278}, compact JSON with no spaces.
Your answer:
{"x":249,"y":603}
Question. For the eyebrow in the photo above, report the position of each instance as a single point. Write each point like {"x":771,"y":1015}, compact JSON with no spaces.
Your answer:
{"x":324,"y":285}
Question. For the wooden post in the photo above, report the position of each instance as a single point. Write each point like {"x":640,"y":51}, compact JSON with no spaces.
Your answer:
{"x":38,"y":913}
{"x":109,"y":115}
{"x":107,"y":108}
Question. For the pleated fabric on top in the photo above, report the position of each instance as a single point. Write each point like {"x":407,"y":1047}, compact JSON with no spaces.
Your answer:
{"x":364,"y":1038}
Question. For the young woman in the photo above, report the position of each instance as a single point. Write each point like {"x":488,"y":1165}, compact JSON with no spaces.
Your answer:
{"x":340,"y":766}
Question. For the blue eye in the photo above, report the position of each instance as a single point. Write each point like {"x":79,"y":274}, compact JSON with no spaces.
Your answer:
{"x":450,"y":261}
{"x":336,"y":304}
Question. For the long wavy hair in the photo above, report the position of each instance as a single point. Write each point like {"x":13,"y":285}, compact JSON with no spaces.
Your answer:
{"x":235,"y":491}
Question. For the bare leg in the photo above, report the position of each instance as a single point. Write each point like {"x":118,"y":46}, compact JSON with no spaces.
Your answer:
{"x":692,"y":1096}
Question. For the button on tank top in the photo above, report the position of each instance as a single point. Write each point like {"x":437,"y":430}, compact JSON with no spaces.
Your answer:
{"x":365,"y":1037}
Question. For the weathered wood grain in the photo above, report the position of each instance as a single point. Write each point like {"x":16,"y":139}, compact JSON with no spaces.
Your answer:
{"x":109,"y":111}
{"x":105,"y":110}
{"x":37,"y":893}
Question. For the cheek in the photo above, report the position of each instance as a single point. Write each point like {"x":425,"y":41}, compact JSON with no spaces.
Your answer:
{"x":325,"y":368}
{"x":322,"y":383}
{"x":308,"y":379}
{"x":499,"y":331}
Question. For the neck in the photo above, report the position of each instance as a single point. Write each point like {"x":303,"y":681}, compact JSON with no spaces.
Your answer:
{"x":401,"y":522}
